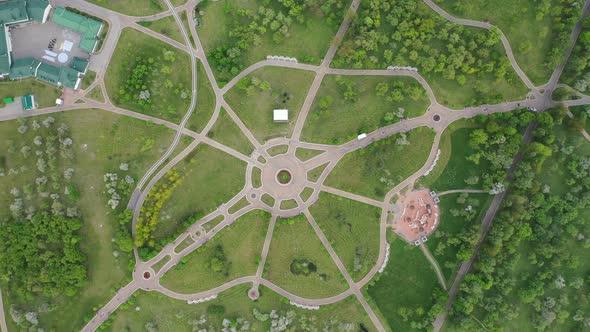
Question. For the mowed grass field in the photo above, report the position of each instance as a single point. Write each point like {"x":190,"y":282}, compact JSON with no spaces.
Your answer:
{"x":166,"y":26}
{"x":173,"y":315}
{"x":376,"y":169}
{"x":307,"y":42}
{"x":288,"y":88}
{"x":134,"y":7}
{"x":113,"y":140}
{"x":205,"y":101}
{"x":44,"y":93}
{"x":407,"y":282}
{"x":298,"y":241}
{"x":452,"y":167}
{"x":352,"y":229}
{"x":529,"y":37}
{"x":168,"y":78}
{"x":242,"y":244}
{"x":212,"y":177}
{"x":227,"y":132}
{"x":346,"y":118}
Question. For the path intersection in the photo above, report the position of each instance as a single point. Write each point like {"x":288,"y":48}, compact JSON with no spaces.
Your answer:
{"x":437,"y":117}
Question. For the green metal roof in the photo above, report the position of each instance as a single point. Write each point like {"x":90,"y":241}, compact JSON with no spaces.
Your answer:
{"x":68,"y":77}
{"x":79,"y":64}
{"x":48,"y":73}
{"x":13,"y":11}
{"x":4,"y":56}
{"x":87,"y":27}
{"x":24,"y":67}
{"x":28,"y":102}
{"x":36,"y":9}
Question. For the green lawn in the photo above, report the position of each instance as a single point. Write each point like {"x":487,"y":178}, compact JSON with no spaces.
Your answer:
{"x":241,"y":244}
{"x":304,"y":154}
{"x":44,"y":93}
{"x":96,"y":94}
{"x":205,"y":101}
{"x":530,"y":35}
{"x":88,"y":79}
{"x":452,"y":167}
{"x":452,"y":225}
{"x":293,"y":240}
{"x":308,"y":41}
{"x":376,"y":169}
{"x":277,"y":150}
{"x":352,"y":229}
{"x":347,"y":106}
{"x":173,"y":315}
{"x":155,"y":67}
{"x":227,"y":132}
{"x":254,"y":106}
{"x":212,"y":177}
{"x":113,"y":140}
{"x":133,"y":7}
{"x":314,"y":174}
{"x":166,"y":26}
{"x":407,"y":283}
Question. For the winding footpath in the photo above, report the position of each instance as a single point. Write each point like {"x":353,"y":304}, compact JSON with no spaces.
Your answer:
{"x":331,"y":156}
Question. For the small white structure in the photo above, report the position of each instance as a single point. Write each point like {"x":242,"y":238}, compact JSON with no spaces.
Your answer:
{"x":280,"y":115}
{"x":59,"y":101}
{"x":361,"y":136}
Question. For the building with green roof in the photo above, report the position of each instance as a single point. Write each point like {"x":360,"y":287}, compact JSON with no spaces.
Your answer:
{"x":48,"y":73}
{"x":79,"y":64}
{"x":69,"y":78}
{"x":13,"y":12}
{"x":89,"y":28}
{"x":24,"y":67}
{"x":38,"y":10}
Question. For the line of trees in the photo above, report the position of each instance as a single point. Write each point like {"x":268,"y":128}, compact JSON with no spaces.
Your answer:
{"x":537,"y":227}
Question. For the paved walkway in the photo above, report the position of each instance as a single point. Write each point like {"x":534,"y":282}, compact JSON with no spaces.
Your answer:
{"x":331,"y":155}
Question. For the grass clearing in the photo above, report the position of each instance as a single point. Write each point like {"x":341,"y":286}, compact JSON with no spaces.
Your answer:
{"x":44,"y":93}
{"x":308,"y":41}
{"x":132,"y":7}
{"x":96,"y":94}
{"x":288,"y":204}
{"x":268,"y":200}
{"x":173,"y":315}
{"x":314,"y":174}
{"x":205,"y":101}
{"x":212,"y":223}
{"x":277,"y":150}
{"x":160,"y":264}
{"x":452,"y":168}
{"x":254,"y":106}
{"x":295,"y":245}
{"x":184,"y":244}
{"x":375,"y":170}
{"x":142,"y":63}
{"x":240,"y":244}
{"x":304,"y":154}
{"x":347,"y":106}
{"x":407,"y":283}
{"x":352,"y":229}
{"x":242,"y":203}
{"x":98,"y":151}
{"x":305,"y":194}
{"x":227,"y":132}
{"x":165,"y":26}
{"x":212,"y":177}
{"x":256,"y":177}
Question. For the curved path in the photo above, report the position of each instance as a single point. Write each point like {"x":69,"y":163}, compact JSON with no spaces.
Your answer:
{"x":435,"y":266}
{"x":487,"y":26}
{"x":331,"y":156}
